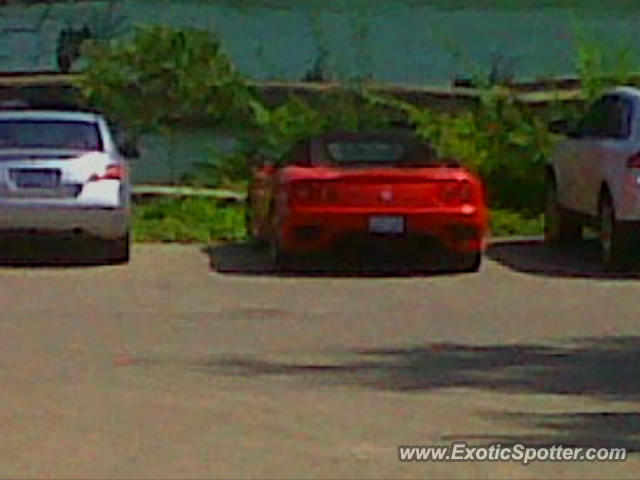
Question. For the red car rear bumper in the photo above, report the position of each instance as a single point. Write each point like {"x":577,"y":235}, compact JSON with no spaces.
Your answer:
{"x":457,"y":230}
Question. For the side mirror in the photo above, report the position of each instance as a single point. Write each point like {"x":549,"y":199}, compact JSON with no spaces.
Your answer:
{"x":129,"y":149}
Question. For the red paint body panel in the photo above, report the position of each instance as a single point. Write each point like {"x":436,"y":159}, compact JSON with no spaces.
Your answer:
{"x":309,"y":209}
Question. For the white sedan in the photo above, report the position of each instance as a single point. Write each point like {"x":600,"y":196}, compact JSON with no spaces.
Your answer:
{"x":61,"y":171}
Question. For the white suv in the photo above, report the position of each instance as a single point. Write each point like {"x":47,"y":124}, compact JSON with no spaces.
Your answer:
{"x":594,"y":175}
{"x":61,"y":171}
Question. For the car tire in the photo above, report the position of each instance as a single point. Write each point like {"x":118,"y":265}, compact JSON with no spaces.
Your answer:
{"x":118,"y":251}
{"x":280,"y":260}
{"x":610,"y":235}
{"x":467,"y":263}
{"x":249,"y":229}
{"x":560,"y":226}
{"x":254,"y":240}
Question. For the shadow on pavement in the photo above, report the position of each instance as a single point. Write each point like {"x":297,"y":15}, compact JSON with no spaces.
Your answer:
{"x":603,"y":429}
{"x":247,"y":259}
{"x":580,"y":261}
{"x":604,"y":368}
{"x":601,"y":367}
{"x":17,"y":250}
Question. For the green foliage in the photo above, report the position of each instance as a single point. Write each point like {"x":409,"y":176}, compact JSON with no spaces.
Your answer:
{"x":599,"y":69}
{"x":199,"y":220}
{"x":601,"y":65}
{"x":506,"y":223}
{"x":162,"y":76}
{"x":499,"y":139}
{"x":277,"y":129}
{"x":202,"y":220}
{"x":507,"y":145}
{"x":220,"y":171}
{"x":281,"y":127}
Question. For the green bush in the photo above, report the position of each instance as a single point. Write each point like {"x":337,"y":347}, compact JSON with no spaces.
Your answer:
{"x":505,"y":223}
{"x":602,"y":66}
{"x":279,"y":128}
{"x":498,"y":139}
{"x":272,"y":131}
{"x":202,"y":220}
{"x":164,"y":76}
{"x":199,"y":220}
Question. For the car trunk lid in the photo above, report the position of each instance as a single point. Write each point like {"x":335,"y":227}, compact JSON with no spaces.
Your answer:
{"x":380,"y":188}
{"x":43,"y":174}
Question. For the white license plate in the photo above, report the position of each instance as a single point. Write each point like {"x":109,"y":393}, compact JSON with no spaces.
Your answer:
{"x":386,"y":224}
{"x":38,"y":179}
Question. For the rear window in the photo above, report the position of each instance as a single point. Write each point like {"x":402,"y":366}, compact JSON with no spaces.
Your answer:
{"x":55,"y":134}
{"x":383,"y":152}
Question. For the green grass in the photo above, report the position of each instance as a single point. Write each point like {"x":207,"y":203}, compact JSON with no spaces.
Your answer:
{"x":203,"y":220}
{"x":505,"y":223}
{"x":187,"y":220}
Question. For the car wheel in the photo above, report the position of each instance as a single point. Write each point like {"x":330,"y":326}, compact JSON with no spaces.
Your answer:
{"x":609,"y":232}
{"x":254,"y":239}
{"x":119,"y":250}
{"x":248,"y":225}
{"x":280,"y":260}
{"x":467,"y":263}
{"x":560,"y":227}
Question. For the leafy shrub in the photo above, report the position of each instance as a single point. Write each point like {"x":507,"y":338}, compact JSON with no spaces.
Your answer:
{"x":509,"y":222}
{"x":273,"y":131}
{"x":162,"y":76}
{"x":498,"y":139}
{"x":600,"y":66}
{"x":187,"y":220}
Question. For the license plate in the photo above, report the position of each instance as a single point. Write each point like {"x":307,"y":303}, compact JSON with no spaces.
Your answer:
{"x":386,"y":224}
{"x":42,"y":179}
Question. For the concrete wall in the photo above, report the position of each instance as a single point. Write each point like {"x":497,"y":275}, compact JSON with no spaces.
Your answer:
{"x":399,"y":41}
{"x":396,"y":41}
{"x":167,"y":159}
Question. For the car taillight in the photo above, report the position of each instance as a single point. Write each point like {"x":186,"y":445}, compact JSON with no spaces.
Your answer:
{"x":303,"y":192}
{"x":456,"y":193}
{"x":112,"y":172}
{"x":312,"y":193}
{"x":634,"y":161}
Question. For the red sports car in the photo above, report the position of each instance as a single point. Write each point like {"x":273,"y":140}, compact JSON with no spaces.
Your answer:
{"x":343,"y":189}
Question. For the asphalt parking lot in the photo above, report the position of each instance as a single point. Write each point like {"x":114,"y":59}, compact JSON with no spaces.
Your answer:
{"x":204,"y":363}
